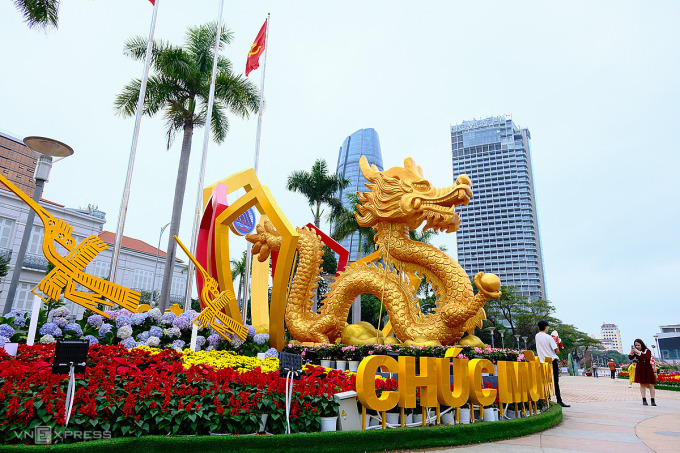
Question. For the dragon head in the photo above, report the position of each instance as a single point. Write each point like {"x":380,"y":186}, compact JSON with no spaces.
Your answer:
{"x":402,"y":195}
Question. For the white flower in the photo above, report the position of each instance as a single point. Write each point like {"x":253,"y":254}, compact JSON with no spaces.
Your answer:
{"x":125,"y":332}
{"x":47,"y":339}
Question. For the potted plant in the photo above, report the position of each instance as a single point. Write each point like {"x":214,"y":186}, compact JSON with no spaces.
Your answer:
{"x":339,"y":355}
{"x":392,"y":416}
{"x":352,"y":354}
{"x":464,"y":414}
{"x":328,"y":413}
{"x":324,"y":352}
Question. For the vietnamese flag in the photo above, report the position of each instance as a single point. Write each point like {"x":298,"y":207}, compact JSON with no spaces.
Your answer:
{"x":253,"y":61}
{"x":153,"y":2}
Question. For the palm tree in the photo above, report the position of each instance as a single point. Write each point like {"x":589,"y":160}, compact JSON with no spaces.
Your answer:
{"x":238,"y":270}
{"x":345,"y":224}
{"x":180,"y":88}
{"x":318,"y":187}
{"x":39,"y":13}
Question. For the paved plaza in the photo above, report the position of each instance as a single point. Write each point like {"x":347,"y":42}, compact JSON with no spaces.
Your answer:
{"x":605,"y":416}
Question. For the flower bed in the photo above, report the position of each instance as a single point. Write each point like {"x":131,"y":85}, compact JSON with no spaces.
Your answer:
{"x":344,"y":352}
{"x":134,"y":392}
{"x":153,"y":329}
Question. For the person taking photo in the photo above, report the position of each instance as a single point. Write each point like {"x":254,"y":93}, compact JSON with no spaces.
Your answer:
{"x":546,"y":347}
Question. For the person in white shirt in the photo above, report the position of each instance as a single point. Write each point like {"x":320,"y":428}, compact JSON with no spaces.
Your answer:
{"x":546,"y":347}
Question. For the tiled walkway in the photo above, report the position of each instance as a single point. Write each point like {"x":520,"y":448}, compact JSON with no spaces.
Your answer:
{"x":605,"y":416}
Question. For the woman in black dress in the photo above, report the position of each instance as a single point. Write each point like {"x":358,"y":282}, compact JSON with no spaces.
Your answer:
{"x":644,"y":373}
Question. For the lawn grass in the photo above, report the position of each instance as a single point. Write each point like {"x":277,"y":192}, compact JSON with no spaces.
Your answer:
{"x":341,"y":442}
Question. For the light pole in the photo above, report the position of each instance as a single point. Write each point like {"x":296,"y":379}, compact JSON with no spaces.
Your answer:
{"x":518,"y":346}
{"x":525,"y":342}
{"x":158,"y":250}
{"x":656,"y":340}
{"x":502,"y":332}
{"x":491,"y":329}
{"x":44,"y":149}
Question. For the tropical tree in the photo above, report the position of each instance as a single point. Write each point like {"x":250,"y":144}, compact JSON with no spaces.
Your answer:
{"x":39,"y":13}
{"x":238,"y":270}
{"x":345,"y":224}
{"x":319,"y":187}
{"x":180,"y":88}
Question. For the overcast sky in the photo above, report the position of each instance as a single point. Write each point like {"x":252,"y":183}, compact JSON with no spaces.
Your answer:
{"x":596,"y":83}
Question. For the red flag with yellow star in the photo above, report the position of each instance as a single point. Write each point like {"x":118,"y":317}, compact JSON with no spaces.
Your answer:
{"x":257,"y":49}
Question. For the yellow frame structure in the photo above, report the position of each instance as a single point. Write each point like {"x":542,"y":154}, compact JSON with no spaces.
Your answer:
{"x":260,"y":197}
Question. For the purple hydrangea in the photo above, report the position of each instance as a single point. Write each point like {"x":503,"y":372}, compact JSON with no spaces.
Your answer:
{"x":236,"y":341}
{"x":75,"y":328}
{"x":272,"y":352}
{"x":111,"y":313}
{"x":138,"y":319}
{"x":261,"y":338}
{"x":3,"y":340}
{"x":200,"y":341}
{"x":156,"y":331}
{"x":6,"y":330}
{"x":61,"y":312}
{"x":214,"y":340}
{"x":95,"y":320}
{"x":19,"y":316}
{"x":125,"y":332}
{"x":183,"y":322}
{"x":210,"y":348}
{"x":124,"y":312}
{"x":143,"y":336}
{"x":172,"y":332}
{"x":104,"y":329}
{"x":154,"y":314}
{"x":153,"y":342}
{"x":47,"y":339}
{"x":60,"y":322}
{"x":178,"y":344}
{"x":92,"y":339}
{"x":123,"y":321}
{"x":50,"y":328}
{"x":167,"y":319}
{"x":251,"y":332}
{"x":129,"y":343}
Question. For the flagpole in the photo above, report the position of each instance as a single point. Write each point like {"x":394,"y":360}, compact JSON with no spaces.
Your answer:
{"x":133,"y":151}
{"x":204,"y":158}
{"x":249,"y":255}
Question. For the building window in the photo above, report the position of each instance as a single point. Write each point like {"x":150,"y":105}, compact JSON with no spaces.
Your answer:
{"x":6,"y":228}
{"x":177,"y":288}
{"x":35,"y":243}
{"x":143,"y":280}
{"x":23,"y":300}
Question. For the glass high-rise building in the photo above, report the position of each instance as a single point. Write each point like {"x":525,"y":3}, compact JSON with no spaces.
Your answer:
{"x":499,"y":227}
{"x":364,"y":142}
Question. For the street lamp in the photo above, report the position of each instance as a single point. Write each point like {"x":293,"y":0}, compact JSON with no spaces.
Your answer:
{"x":502,"y":332}
{"x":158,"y":250}
{"x":44,"y":149}
{"x":491,"y":329}
{"x":656,"y":340}
{"x":525,"y":342}
{"x":518,"y":346}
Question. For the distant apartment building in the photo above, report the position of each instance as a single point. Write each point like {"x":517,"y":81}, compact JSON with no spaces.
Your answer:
{"x":364,"y":142}
{"x":499,"y":227}
{"x":668,"y":343}
{"x":611,"y":335}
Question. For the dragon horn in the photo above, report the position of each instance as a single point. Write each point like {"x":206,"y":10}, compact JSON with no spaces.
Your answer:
{"x":371,"y":174}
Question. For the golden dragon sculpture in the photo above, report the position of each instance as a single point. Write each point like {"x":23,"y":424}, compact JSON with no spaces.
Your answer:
{"x":400,"y":200}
